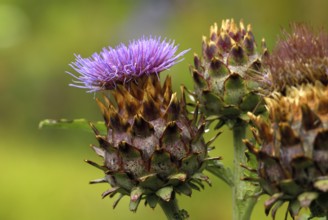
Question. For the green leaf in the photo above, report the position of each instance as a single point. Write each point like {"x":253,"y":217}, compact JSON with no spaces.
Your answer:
{"x":123,"y":180}
{"x":218,"y":170}
{"x":189,"y":164}
{"x":289,"y":187}
{"x":117,"y":200}
{"x":306,"y":198}
{"x":213,"y":104}
{"x":237,"y":56}
{"x":321,"y":185}
{"x":136,"y":194}
{"x":294,"y":208}
{"x":151,"y":181}
{"x":199,"y":80}
{"x":184,"y":189}
{"x":202,"y":177}
{"x":250,"y":101}
{"x":165,"y":193}
{"x":152,"y":200}
{"x":103,"y":168}
{"x":134,"y":204}
{"x":177,"y":178}
{"x":234,"y":89}
{"x":79,"y":124}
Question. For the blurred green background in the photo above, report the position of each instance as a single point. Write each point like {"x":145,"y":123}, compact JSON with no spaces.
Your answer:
{"x":42,"y":173}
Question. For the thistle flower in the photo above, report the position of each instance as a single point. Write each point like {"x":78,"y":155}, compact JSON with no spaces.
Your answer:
{"x":225,"y":77}
{"x":112,"y":66}
{"x":299,"y":57}
{"x":151,"y":150}
{"x":292,"y":162}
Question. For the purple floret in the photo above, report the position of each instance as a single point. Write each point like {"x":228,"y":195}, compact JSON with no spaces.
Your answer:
{"x":122,"y":64}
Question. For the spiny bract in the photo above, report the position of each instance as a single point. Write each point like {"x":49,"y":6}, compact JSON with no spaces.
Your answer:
{"x":227,"y":78}
{"x":293,"y":160}
{"x":151,"y":149}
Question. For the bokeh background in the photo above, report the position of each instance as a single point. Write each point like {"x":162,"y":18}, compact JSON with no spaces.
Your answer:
{"x":42,"y":173}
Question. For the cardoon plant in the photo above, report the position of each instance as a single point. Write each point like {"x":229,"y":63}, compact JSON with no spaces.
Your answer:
{"x":228,"y":78}
{"x":151,"y":141}
{"x":292,"y":163}
{"x":293,"y":157}
{"x":151,"y":148}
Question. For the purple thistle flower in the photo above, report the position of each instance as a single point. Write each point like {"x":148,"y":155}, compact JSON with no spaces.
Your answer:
{"x":141,"y":57}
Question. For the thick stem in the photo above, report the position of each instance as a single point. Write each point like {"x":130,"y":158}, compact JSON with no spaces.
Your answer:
{"x":171,"y":209}
{"x":243,"y":192}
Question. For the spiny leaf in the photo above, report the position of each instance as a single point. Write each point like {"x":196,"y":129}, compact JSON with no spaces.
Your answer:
{"x":117,"y":201}
{"x":217,"y":169}
{"x":110,"y":191}
{"x":96,"y":165}
{"x":102,"y":180}
{"x":77,"y":124}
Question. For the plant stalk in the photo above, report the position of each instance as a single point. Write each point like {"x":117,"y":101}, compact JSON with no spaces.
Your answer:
{"x":243,"y":192}
{"x":171,"y":209}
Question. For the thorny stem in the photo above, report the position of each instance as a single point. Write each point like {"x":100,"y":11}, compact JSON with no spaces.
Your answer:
{"x":171,"y":209}
{"x":243,"y":192}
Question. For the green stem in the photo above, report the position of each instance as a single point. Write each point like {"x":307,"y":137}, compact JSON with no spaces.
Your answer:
{"x":171,"y":209}
{"x":243,"y":192}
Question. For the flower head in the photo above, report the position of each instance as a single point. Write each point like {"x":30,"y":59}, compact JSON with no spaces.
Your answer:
{"x":152,"y":150}
{"x":229,"y":76}
{"x":299,"y":57}
{"x":145,"y":56}
{"x":292,"y":161}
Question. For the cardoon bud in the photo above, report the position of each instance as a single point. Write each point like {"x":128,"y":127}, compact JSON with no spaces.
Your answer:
{"x":151,"y":150}
{"x":227,"y":77}
{"x":292,"y":162}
